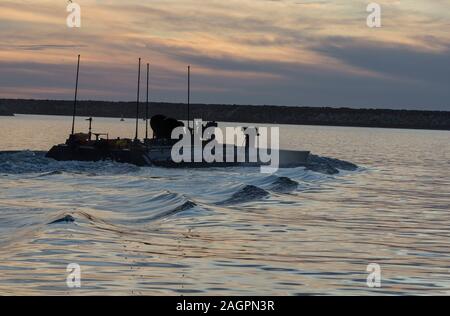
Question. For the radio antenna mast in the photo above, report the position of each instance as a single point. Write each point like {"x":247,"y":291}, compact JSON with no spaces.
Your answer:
{"x":146,"y":105}
{"x":137,"y":101}
{"x":189,"y":99}
{"x":75,"y":99}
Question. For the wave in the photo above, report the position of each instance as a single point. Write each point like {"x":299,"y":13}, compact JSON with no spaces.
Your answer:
{"x":35,"y":162}
{"x":330,"y":166}
{"x":284,"y":185}
{"x":145,"y":207}
{"x":183,"y":207}
{"x":278,"y":183}
{"x":51,"y":173}
{"x":22,"y":162}
{"x":115,"y":224}
{"x":63,"y":220}
{"x":246,"y":194}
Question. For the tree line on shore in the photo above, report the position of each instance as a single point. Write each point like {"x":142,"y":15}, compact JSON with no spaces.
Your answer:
{"x":262,"y":114}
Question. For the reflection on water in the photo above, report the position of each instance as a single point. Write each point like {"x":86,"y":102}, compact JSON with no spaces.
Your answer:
{"x":226,"y":231}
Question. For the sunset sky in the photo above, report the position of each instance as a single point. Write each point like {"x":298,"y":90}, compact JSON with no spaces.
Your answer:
{"x":286,"y":52}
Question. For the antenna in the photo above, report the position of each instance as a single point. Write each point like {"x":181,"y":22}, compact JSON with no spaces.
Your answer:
{"x":189,"y":98}
{"x":146,"y":104}
{"x":75,"y":99}
{"x":90,"y":127}
{"x":137,"y":101}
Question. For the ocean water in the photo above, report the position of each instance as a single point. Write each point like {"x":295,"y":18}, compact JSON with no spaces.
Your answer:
{"x":235,"y":231}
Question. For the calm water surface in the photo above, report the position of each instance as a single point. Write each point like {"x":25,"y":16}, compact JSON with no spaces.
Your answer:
{"x":145,"y":231}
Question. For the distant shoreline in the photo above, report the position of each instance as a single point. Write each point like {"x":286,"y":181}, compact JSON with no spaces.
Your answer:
{"x":4,"y":112}
{"x":262,"y":114}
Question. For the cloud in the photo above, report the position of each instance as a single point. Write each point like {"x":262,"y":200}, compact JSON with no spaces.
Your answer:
{"x":45,"y":47}
{"x":396,"y":61}
{"x":243,"y":51}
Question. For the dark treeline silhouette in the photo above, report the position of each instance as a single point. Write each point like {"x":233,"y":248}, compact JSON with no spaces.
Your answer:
{"x":4,"y":111}
{"x":435,"y":120}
